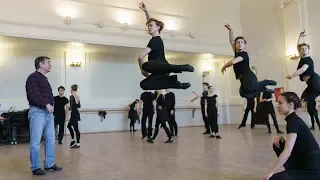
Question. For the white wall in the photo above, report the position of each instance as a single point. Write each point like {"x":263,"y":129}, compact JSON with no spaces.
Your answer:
{"x":45,"y":20}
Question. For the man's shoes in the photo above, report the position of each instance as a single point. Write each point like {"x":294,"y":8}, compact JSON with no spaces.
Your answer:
{"x":38,"y":172}
{"x":54,"y":167}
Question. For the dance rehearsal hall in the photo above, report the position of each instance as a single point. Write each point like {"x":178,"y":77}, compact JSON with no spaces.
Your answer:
{"x":173,"y":90}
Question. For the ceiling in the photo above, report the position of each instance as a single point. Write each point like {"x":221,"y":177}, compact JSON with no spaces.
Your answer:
{"x":16,"y":42}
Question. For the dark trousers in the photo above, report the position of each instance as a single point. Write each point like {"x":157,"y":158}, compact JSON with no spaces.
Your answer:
{"x":204,"y":118}
{"x":289,"y":164}
{"x":314,"y":114}
{"x":213,"y":120}
{"x":132,"y":121}
{"x":250,"y":86}
{"x":160,"y":75}
{"x":60,"y":121}
{"x":275,"y":122}
{"x":73,"y":125}
{"x":245,"y":116}
{"x":313,"y":88}
{"x":172,"y":122}
{"x":161,"y":119}
{"x":145,"y":115}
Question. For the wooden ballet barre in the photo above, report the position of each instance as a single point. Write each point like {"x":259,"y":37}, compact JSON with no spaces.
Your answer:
{"x":126,"y":109}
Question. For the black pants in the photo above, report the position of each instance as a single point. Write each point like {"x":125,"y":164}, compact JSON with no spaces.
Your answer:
{"x":250,"y":86}
{"x":204,"y":118}
{"x":245,"y":116}
{"x":172,"y":122}
{"x":73,"y":125}
{"x":284,"y":175}
{"x":213,"y":120}
{"x":160,"y":75}
{"x":275,"y":122}
{"x":313,"y":88}
{"x":147,"y":114}
{"x":132,"y":121}
{"x":314,"y":114}
{"x":304,"y":166}
{"x":60,"y":121}
{"x":161,"y":119}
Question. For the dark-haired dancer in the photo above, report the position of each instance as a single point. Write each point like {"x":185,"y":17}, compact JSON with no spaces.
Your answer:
{"x":312,"y":108}
{"x":170,"y":99}
{"x":305,"y":71}
{"x":157,"y":65}
{"x":75,"y":117}
{"x":250,"y":86}
{"x":212,"y":113}
{"x":133,"y":114}
{"x":162,"y":117}
{"x":147,"y":102}
{"x":60,"y":109}
{"x":267,"y":108}
{"x":202,"y":97}
{"x":299,"y":152}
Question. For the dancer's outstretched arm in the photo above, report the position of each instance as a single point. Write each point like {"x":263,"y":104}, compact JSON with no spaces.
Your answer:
{"x":299,"y":71}
{"x":231,"y":63}
{"x":301,"y":38}
{"x":231,"y":36}
{"x":144,"y":8}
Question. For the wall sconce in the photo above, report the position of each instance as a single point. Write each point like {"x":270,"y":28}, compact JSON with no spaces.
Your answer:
{"x":67,"y":20}
{"x":125,"y":26}
{"x":171,"y":33}
{"x":100,"y":24}
{"x":293,"y":56}
{"x":206,"y":72}
{"x":192,"y":35}
{"x":75,"y":64}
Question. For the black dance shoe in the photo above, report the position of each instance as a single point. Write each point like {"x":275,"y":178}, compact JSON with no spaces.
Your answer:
{"x":185,"y":85}
{"x":187,"y":68}
{"x":269,"y":82}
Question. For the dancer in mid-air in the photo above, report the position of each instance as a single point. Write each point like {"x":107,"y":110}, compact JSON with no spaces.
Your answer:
{"x":250,"y":86}
{"x":305,"y":71}
{"x":157,"y":65}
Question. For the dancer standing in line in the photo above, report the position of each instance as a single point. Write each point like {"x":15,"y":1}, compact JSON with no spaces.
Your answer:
{"x":299,"y":153}
{"x":250,"y":86}
{"x":75,"y":117}
{"x":60,"y":109}
{"x":40,"y":98}
{"x":305,"y":71}
{"x":157,"y":65}
{"x":212,"y":113}
{"x":204,"y":94}
{"x":133,"y":114}
{"x":170,"y":99}
{"x":251,"y":105}
{"x":312,"y":108}
{"x":162,"y":117}
{"x":267,"y":108}
{"x":147,"y":100}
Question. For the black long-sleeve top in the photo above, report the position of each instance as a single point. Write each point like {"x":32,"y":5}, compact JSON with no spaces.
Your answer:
{"x":170,"y":99}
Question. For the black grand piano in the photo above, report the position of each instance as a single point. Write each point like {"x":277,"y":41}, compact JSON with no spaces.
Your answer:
{"x":14,"y":127}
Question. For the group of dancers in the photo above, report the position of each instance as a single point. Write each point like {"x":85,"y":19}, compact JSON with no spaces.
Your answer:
{"x":299,"y":152}
{"x":65,"y":111}
{"x":163,"y":105}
